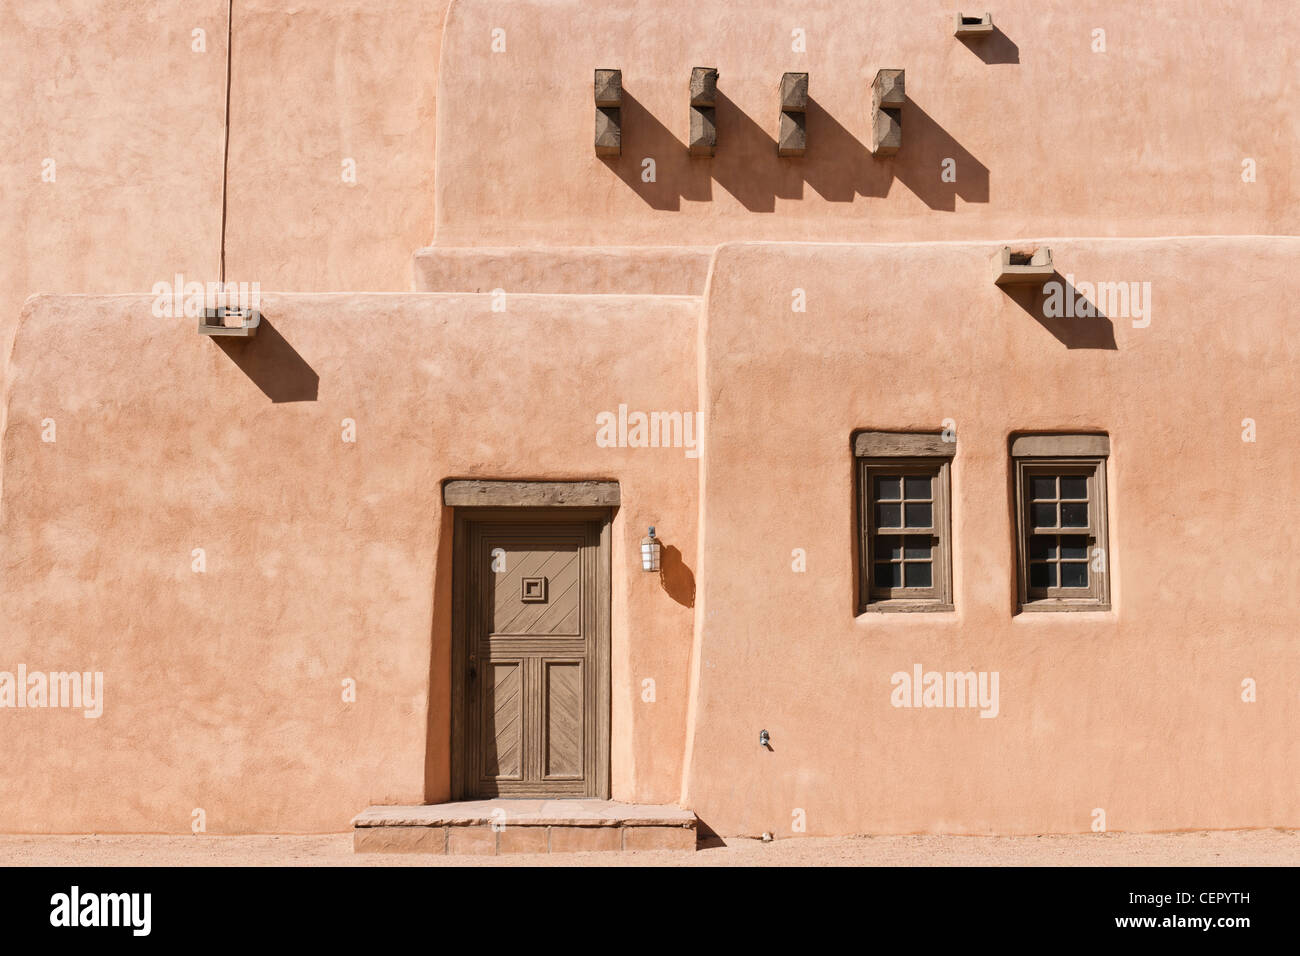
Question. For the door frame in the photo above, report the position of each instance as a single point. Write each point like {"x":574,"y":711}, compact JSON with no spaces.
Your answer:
{"x":598,"y":786}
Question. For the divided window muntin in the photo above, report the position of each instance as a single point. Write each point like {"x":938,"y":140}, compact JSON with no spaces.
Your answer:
{"x":1061,"y":524}
{"x":904,"y":536}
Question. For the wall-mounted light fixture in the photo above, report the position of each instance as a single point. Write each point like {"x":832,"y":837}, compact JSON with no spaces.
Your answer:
{"x":1023,"y":267}
{"x":792,"y":136}
{"x":609,"y":112}
{"x":764,"y":739}
{"x":973,"y":27}
{"x":650,"y":551}
{"x":704,"y":97}
{"x":230,"y":320}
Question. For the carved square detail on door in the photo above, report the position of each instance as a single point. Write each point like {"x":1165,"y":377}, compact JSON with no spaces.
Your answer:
{"x":533,"y":590}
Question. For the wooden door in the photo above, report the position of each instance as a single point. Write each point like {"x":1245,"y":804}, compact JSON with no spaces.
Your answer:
{"x":534,"y":659}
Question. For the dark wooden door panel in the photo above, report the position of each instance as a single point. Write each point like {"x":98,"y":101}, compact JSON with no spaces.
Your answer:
{"x":532,"y":630}
{"x":536,"y":591}
{"x":503,"y":720}
{"x":562,"y":747}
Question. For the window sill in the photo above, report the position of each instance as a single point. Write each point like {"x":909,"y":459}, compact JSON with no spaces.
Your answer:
{"x":1050,"y":605}
{"x":905,"y":607}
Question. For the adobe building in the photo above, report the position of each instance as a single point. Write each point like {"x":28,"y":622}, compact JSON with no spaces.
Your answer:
{"x":948,"y":355}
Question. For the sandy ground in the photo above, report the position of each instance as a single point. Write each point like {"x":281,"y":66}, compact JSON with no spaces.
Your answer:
{"x":1217,"y":848}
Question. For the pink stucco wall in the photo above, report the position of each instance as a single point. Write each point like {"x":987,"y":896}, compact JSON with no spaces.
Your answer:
{"x":1049,"y":138}
{"x":475,"y":171}
{"x":112,"y":95}
{"x":130,"y":105}
{"x":325,"y":559}
{"x":332,"y":142}
{"x":1137,"y":711}
{"x":640,"y":270}
{"x":328,"y":560}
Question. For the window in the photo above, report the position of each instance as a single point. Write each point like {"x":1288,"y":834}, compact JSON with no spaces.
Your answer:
{"x":1061,"y":522}
{"x":904,"y":534}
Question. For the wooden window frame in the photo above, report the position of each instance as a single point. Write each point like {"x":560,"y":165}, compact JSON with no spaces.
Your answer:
{"x":1096,"y":596}
{"x":929,"y":456}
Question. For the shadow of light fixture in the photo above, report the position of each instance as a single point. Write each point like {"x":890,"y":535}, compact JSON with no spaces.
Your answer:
{"x":271,"y":363}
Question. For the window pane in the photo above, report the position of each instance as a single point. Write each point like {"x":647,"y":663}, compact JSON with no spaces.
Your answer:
{"x":1074,"y":514}
{"x":918,"y":547}
{"x":1074,"y":486}
{"x":889,"y":516}
{"x":1074,"y":547}
{"x":1074,"y":574}
{"x":1044,"y":516}
{"x":917,"y":575}
{"x":887,"y":487}
{"x":889,"y":575}
{"x":1044,"y":487}
{"x":889,"y":546}
{"x":1042,"y":547}
{"x":918,"y":515}
{"x":917,"y":486}
{"x":1042,"y":575}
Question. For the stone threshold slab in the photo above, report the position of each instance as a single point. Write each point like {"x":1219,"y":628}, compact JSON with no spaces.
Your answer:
{"x":537,"y":813}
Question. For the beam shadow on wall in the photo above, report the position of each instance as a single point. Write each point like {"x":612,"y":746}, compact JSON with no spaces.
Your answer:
{"x":837,"y":166}
{"x":918,"y":164}
{"x":273,"y":364}
{"x":677,"y":174}
{"x":746,"y":164}
{"x":1074,"y":333}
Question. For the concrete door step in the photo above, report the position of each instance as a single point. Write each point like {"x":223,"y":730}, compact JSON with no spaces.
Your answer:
{"x":522,"y":826}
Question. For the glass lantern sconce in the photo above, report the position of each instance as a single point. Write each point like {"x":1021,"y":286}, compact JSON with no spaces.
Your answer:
{"x":650,"y":552}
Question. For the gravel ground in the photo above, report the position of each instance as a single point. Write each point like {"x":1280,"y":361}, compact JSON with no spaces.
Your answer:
{"x":1213,"y":848}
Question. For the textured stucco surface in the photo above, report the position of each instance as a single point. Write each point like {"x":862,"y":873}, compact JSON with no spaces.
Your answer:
{"x":324,"y":560}
{"x":316,"y":83}
{"x":1137,"y":711}
{"x":113,"y":93}
{"x":1049,"y":138}
{"x":328,"y":560}
{"x":641,"y":270}
{"x":134,"y":118}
